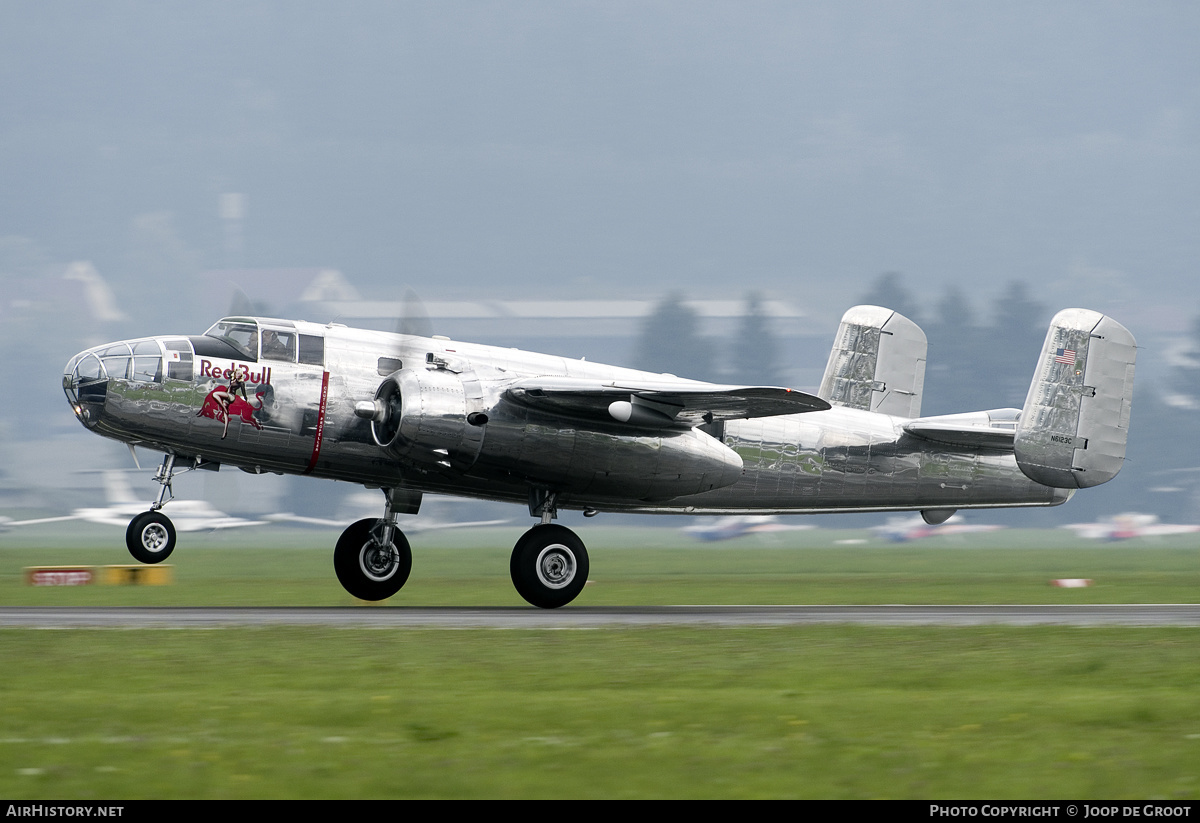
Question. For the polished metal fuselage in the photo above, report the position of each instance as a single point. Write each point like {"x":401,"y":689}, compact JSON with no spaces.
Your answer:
{"x":302,"y":421}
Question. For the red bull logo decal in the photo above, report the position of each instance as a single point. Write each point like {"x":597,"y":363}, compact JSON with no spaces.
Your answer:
{"x":260,"y":377}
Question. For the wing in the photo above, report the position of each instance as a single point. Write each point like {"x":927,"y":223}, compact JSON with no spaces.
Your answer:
{"x":660,"y":403}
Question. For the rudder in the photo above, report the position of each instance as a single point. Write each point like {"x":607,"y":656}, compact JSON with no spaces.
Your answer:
{"x":1075,"y":422}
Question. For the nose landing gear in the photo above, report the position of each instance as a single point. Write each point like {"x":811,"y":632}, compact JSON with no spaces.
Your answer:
{"x":150,"y":537}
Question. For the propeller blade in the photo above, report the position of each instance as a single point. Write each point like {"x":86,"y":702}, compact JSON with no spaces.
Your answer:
{"x":414,"y":319}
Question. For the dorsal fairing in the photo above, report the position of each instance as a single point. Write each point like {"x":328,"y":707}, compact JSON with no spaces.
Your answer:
{"x":877,"y":363}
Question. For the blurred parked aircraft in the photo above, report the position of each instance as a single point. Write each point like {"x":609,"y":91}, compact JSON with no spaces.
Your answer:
{"x":191,"y":515}
{"x":903,"y":529}
{"x":727,"y":528}
{"x":1125,"y":526}
{"x":362,"y":503}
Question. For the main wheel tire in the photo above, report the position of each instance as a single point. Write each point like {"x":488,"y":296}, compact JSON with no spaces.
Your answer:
{"x":549,"y":566}
{"x":367,"y":569}
{"x":150,"y":537}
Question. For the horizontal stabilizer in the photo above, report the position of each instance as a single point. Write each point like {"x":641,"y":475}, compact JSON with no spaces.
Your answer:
{"x":660,"y":403}
{"x":993,"y":429}
{"x":1075,"y":423}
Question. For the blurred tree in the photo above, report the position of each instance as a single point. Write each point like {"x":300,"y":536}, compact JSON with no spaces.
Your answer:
{"x":1017,"y":315}
{"x":954,"y":313}
{"x":1018,"y":330}
{"x":889,"y":292}
{"x":954,"y":377}
{"x":973,"y":366}
{"x":755,"y":349}
{"x":671,"y":342}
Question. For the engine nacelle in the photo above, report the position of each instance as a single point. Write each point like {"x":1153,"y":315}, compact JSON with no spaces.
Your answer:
{"x":440,"y":418}
{"x":420,"y":416}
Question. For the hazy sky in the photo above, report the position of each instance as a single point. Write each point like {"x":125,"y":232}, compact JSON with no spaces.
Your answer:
{"x":596,"y":149}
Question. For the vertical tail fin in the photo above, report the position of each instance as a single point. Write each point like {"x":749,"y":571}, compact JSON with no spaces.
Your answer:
{"x":877,"y":363}
{"x":1075,"y":422}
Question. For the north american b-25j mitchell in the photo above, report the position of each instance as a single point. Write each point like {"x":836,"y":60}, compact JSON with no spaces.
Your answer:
{"x":412,"y":415}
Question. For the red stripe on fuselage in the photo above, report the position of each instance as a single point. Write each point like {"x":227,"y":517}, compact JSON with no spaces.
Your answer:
{"x":312,"y":462}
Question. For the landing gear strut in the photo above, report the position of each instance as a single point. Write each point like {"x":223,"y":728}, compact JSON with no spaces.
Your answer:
{"x":372,"y":558}
{"x":549,"y":565}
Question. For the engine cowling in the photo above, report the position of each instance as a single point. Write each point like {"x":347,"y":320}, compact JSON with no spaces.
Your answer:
{"x":420,"y":416}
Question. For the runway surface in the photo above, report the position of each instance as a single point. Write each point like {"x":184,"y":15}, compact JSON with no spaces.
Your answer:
{"x":601,"y":617}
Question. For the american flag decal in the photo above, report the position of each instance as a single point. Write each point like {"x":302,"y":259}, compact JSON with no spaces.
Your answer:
{"x":1065,"y":356}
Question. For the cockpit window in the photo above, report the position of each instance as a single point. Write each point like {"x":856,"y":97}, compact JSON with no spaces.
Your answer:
{"x":241,"y":335}
{"x":116,"y":360}
{"x":179,"y":359}
{"x":279,"y":345}
{"x":87,"y":381}
{"x":89,"y":369}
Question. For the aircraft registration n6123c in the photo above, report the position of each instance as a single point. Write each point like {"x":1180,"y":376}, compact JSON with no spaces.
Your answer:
{"x":412,"y":415}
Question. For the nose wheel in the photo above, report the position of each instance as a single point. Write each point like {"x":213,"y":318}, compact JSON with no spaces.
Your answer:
{"x":549,"y":566}
{"x":150,"y":537}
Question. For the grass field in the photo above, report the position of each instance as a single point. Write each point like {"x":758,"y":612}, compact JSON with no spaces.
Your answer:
{"x":823,"y":711}
{"x":640,"y":567}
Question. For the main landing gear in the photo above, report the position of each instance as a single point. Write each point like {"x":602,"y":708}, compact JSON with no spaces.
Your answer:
{"x":549,"y":565}
{"x":372,"y":559}
{"x":150,"y":537}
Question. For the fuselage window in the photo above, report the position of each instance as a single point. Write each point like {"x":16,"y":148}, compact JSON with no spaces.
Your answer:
{"x":147,"y":362}
{"x":279,"y":345}
{"x":116,"y":360}
{"x":147,"y":369}
{"x":179,"y":359}
{"x":312,"y":350}
{"x":387,"y":365}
